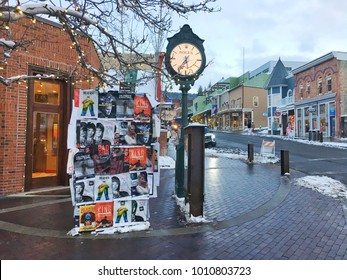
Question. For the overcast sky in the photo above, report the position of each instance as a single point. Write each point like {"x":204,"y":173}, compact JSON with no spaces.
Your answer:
{"x":266,"y":30}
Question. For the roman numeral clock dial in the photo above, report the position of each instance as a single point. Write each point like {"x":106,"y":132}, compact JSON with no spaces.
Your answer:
{"x":186,"y":59}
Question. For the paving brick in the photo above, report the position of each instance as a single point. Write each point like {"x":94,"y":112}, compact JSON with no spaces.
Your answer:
{"x":305,"y":225}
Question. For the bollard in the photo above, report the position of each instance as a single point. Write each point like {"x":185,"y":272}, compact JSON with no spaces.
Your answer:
{"x":310,"y":135}
{"x":284,"y":162}
{"x":321,"y":137}
{"x":250,"y":153}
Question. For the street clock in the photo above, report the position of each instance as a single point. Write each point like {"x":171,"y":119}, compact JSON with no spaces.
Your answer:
{"x":185,"y":58}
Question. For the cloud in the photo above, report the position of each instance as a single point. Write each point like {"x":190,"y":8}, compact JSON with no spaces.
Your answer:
{"x":266,"y":30}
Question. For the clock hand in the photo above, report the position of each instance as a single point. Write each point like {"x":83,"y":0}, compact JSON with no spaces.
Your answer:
{"x":185,"y":61}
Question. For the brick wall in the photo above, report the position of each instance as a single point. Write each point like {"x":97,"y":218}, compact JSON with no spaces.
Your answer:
{"x":50,"y":50}
{"x":313,"y":74}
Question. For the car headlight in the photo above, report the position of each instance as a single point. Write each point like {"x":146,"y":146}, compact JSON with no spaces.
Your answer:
{"x":213,"y":137}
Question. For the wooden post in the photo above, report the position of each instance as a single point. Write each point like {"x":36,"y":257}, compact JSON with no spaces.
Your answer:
{"x":250,"y":152}
{"x":284,"y":162}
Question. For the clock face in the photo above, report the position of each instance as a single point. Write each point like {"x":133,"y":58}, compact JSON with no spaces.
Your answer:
{"x":186,"y":59}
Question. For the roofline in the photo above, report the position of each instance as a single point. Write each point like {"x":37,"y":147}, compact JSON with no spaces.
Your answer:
{"x":320,"y":60}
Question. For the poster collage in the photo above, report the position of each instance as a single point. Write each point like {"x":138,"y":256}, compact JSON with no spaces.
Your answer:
{"x":113,"y":158}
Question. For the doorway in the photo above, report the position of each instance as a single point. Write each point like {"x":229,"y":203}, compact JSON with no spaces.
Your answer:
{"x":46,"y":134}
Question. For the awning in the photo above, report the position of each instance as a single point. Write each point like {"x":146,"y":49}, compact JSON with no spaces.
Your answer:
{"x":201,"y":113}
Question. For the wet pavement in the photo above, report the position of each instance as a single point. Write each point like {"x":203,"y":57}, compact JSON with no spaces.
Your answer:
{"x":252,"y":213}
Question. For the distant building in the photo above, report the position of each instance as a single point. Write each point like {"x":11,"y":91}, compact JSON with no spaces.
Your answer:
{"x":280,"y":100}
{"x":321,"y":96}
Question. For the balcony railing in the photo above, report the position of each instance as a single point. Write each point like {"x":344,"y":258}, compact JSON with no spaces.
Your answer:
{"x":287,"y":100}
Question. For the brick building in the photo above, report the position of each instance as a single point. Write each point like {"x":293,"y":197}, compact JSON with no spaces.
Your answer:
{"x":320,"y":98}
{"x":34,"y":114}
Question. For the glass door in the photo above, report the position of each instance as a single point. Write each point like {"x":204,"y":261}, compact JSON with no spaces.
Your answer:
{"x":45,"y":144}
{"x":46,"y":139}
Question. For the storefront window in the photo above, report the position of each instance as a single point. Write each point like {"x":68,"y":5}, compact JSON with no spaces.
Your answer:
{"x":314,"y":117}
{"x":322,"y":109}
{"x":307,"y":119}
{"x":46,"y":92}
{"x":299,"y":113}
{"x":299,"y":122}
{"x":332,"y":109}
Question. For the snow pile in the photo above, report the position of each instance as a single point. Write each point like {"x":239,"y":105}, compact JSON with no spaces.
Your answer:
{"x":324,"y":185}
{"x":124,"y":229}
{"x":185,"y":209}
{"x":239,"y":154}
{"x":166,"y":162}
{"x":112,"y":230}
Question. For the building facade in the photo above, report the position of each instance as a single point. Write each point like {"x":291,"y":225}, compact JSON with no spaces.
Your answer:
{"x":35,"y":113}
{"x":280,"y":100}
{"x":321,"y":96}
{"x":244,"y":104}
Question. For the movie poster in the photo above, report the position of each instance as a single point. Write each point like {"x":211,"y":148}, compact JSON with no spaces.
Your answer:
{"x":103,"y":191}
{"x":83,"y":165}
{"x":104,"y":215}
{"x":142,"y":108}
{"x":122,"y":212}
{"x":101,"y":155}
{"x":87,"y":217}
{"x":88,"y":103}
{"x":136,"y":134}
{"x":143,"y":133}
{"x":84,"y":190}
{"x":141,"y":183}
{"x":94,"y":132}
{"x":107,"y":105}
{"x":140,"y":210}
{"x":137,"y":158}
{"x":115,"y":170}
{"x":119,"y":160}
{"x":121,"y":185}
{"x":125,"y":105}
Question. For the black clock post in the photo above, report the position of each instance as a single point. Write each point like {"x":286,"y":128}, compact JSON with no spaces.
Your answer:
{"x":185,"y":60}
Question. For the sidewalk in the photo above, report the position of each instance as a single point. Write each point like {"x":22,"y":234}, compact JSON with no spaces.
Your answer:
{"x":252,"y":212}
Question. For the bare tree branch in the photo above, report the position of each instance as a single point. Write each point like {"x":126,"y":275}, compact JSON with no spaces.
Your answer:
{"x":101,"y":21}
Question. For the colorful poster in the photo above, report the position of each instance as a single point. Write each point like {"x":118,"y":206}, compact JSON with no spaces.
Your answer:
{"x":142,"y":108}
{"x":114,"y":173}
{"x":137,"y":158}
{"x":104,"y":214}
{"x":88,"y":103}
{"x":122,"y":212}
{"x":87,"y":217}
{"x":102,"y":188}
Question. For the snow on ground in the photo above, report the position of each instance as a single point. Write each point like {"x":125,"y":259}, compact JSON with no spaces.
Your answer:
{"x":323,"y":184}
{"x":239,"y":154}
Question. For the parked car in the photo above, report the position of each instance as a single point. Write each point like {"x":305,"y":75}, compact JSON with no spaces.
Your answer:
{"x":210,"y":138}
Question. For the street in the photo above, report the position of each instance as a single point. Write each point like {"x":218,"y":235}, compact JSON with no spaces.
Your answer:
{"x":309,"y":159}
